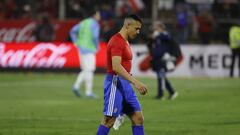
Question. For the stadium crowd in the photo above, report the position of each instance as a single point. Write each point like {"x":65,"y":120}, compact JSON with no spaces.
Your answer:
{"x":190,"y":21}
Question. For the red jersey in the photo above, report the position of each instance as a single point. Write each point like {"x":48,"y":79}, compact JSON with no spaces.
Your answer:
{"x":118,"y":46}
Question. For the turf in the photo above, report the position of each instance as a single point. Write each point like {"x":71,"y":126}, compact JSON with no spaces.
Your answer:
{"x":43,"y":104}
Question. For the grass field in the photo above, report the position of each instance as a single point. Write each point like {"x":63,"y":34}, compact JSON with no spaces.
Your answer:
{"x":43,"y":104}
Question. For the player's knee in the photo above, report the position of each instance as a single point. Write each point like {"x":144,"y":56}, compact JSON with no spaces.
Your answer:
{"x":108,"y":121}
{"x":138,"y":120}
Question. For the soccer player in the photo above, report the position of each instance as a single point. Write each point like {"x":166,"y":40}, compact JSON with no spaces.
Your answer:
{"x":86,"y":36}
{"x":119,"y":96}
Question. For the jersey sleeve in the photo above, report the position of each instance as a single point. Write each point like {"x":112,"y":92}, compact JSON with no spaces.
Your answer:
{"x":116,"y":48}
{"x":96,"y":31}
{"x":74,"y":32}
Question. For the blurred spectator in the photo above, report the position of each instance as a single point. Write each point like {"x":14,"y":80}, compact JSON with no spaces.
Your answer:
{"x":27,"y":12}
{"x":11,"y":9}
{"x":226,"y":9}
{"x":108,"y":29}
{"x":122,"y":8}
{"x":125,"y":7}
{"x":44,"y":31}
{"x":106,"y":11}
{"x":205,"y":23}
{"x":2,"y":15}
{"x":165,"y":4}
{"x":225,"y":12}
{"x":75,"y":9}
{"x":182,"y":23}
{"x":234,"y":38}
{"x":48,"y":6}
{"x":107,"y":23}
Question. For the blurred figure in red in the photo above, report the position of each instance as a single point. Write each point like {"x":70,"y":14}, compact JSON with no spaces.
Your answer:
{"x":205,"y":26}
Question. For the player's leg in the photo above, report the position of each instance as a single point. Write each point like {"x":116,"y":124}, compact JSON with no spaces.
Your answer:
{"x":238,"y":54}
{"x":89,"y":83}
{"x":137,"y":123}
{"x":106,"y":123}
{"x":78,"y":83}
{"x":161,"y":84}
{"x":172,"y":93}
{"x":232,"y":63}
{"x":89,"y":68}
{"x":80,"y":78}
{"x":112,"y":104}
{"x":132,"y":107}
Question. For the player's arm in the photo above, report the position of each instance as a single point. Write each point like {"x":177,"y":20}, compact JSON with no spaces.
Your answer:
{"x":118,"y":68}
{"x":96,"y":31}
{"x":74,"y":32}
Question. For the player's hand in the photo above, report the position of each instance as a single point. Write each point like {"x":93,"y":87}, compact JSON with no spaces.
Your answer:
{"x":141,"y":88}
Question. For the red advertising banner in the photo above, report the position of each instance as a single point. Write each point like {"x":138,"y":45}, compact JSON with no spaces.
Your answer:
{"x":45,"y":55}
{"x":22,"y":30}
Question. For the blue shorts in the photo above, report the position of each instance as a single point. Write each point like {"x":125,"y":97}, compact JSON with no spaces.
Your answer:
{"x":119,"y":97}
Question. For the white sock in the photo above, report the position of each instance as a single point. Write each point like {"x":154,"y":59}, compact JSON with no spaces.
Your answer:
{"x":89,"y":82}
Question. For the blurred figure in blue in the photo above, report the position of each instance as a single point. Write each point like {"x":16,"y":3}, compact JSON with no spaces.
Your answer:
{"x":166,"y":54}
{"x":234,"y":39}
{"x":182,"y":23}
{"x":85,"y":35}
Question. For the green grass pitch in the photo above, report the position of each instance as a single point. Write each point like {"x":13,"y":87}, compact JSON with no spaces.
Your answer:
{"x":43,"y":104}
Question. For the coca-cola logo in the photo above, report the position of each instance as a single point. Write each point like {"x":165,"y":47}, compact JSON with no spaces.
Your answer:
{"x":42,"y":55}
{"x":17,"y":34}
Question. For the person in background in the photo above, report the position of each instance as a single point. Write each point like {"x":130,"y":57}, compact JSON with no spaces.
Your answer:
{"x":182,"y":23}
{"x":205,"y":22}
{"x":234,"y":39}
{"x":44,"y":31}
{"x":119,"y":96}
{"x":85,"y":35}
{"x":165,"y":54}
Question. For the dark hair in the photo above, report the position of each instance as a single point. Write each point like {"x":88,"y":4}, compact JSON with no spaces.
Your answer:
{"x":134,"y":17}
{"x":93,"y":11}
